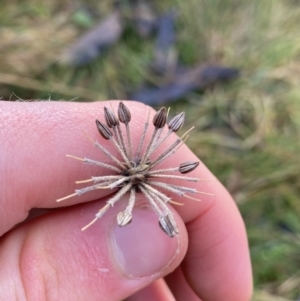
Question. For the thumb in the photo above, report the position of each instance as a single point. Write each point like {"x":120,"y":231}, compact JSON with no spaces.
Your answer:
{"x":49,"y":258}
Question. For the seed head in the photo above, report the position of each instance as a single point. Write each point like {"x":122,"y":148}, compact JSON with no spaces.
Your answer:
{"x":134,"y":169}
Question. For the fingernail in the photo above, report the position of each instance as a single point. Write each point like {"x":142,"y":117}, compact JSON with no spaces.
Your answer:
{"x":141,"y":248}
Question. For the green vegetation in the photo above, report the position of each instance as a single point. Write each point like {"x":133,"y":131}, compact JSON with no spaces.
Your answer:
{"x":247,"y":132}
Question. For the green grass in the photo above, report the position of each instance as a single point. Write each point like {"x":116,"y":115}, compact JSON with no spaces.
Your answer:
{"x":247,"y":131}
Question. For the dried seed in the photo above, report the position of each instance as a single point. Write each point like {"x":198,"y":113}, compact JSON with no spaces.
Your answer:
{"x":103,"y":130}
{"x":110,"y":118}
{"x":124,"y":218}
{"x":187,"y":167}
{"x":124,"y":113}
{"x":176,"y":122}
{"x":167,"y":225}
{"x":160,"y":118}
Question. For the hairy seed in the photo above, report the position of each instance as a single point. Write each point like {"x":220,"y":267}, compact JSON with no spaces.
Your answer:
{"x":124,"y":113}
{"x":187,"y":167}
{"x":176,"y":122}
{"x":103,"y":130}
{"x":110,"y":118}
{"x":160,"y":118}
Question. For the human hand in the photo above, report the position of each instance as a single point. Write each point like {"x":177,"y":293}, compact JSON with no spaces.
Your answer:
{"x":49,"y":258}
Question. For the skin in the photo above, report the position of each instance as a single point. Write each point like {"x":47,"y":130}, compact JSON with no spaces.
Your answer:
{"x":49,"y":258}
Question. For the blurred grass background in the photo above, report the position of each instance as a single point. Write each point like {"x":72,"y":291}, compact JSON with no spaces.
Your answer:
{"x":247,"y":132}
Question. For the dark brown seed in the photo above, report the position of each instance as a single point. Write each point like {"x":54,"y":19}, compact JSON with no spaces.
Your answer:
{"x":124,"y":113}
{"x":103,"y":130}
{"x":176,"y":122}
{"x":187,"y":167}
{"x":160,"y":118}
{"x":111,"y":119}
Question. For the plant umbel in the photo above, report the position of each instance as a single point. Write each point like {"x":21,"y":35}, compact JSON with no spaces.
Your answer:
{"x":135,"y":172}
